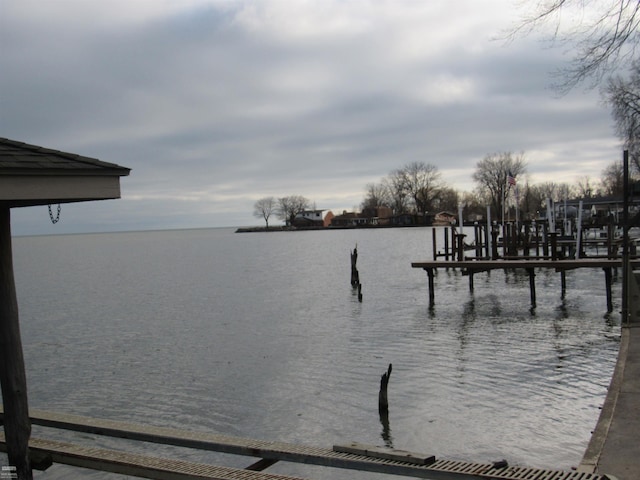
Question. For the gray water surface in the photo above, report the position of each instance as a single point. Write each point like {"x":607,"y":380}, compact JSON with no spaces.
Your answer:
{"x":261,"y":335}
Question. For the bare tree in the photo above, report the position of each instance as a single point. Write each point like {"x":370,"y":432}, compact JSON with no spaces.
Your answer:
{"x":492,"y":173}
{"x":376,"y":195}
{"x":624,"y":98}
{"x":396,"y":184}
{"x":555,"y":191}
{"x":584,"y":187}
{"x":422,"y":183}
{"x":604,"y":34}
{"x":447,"y":199}
{"x":532,"y":201}
{"x":264,"y":208}
{"x":613,"y":179}
{"x":289,"y":207}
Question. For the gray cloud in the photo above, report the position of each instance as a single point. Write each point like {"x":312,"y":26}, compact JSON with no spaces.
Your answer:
{"x":215,"y":104}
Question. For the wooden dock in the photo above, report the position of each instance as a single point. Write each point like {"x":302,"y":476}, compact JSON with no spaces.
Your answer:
{"x":472,"y":266}
{"x":351,"y":456}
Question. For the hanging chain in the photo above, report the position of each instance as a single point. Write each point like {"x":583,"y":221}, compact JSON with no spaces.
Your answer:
{"x":55,"y":219}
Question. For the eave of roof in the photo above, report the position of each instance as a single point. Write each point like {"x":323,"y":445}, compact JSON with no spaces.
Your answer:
{"x":18,"y":158}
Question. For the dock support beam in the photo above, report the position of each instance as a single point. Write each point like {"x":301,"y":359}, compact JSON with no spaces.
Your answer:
{"x":431,"y":286}
{"x":607,"y":279}
{"x":17,"y":426}
{"x":532,"y":286}
{"x":563,"y":284}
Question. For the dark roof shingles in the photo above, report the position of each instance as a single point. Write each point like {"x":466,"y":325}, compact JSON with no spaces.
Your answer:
{"x":18,"y":157}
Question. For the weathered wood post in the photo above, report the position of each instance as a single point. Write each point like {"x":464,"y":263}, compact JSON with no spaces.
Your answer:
{"x":505,"y":243}
{"x":610,"y":234}
{"x":488,"y":233}
{"x":460,"y":242}
{"x":355,"y":277}
{"x":446,"y":243}
{"x":433,"y":241}
{"x":383,"y":401}
{"x":17,"y":426}
{"x":494,"y":244}
{"x":431,"y":286}
{"x":607,"y":279}
{"x":563,"y":284}
{"x":532,"y":286}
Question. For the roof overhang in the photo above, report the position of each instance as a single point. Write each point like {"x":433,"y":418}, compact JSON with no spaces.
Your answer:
{"x":31,"y":175}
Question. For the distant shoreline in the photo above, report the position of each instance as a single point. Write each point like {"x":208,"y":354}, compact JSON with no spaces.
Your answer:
{"x":283,"y":228}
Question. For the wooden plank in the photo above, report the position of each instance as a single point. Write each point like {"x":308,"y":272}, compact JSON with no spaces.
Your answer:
{"x":385,"y":453}
{"x":127,"y":463}
{"x":500,"y":264}
{"x":439,"y":470}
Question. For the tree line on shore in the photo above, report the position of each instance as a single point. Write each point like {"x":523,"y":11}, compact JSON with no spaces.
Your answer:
{"x":605,"y":41}
{"x":500,"y":182}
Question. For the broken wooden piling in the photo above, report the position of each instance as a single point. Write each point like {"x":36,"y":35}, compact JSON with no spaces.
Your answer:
{"x":383,"y":401}
{"x":355,"y":277}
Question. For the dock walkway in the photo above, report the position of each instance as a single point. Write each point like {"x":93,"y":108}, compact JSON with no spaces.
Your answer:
{"x":351,"y":456}
{"x":614,"y":448}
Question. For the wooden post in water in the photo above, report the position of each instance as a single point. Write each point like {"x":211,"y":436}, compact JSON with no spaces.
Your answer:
{"x":460,"y":238}
{"x":355,"y":277}
{"x":607,"y":279}
{"x":532,"y":286}
{"x":383,"y":401}
{"x":514,"y":239}
{"x":446,"y":243}
{"x":433,"y":240}
{"x":17,"y":426}
{"x":488,"y":233}
{"x":505,"y":243}
{"x":563,"y":283}
{"x":494,"y":243}
{"x":625,"y":239}
{"x":431,"y":286}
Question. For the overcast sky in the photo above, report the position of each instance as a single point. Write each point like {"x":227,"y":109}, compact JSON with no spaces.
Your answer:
{"x":215,"y":104}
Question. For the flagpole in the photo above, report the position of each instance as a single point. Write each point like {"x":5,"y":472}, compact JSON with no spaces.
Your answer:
{"x":502,"y":206}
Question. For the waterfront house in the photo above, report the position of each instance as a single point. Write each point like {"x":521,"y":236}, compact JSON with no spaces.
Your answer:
{"x":313,"y":218}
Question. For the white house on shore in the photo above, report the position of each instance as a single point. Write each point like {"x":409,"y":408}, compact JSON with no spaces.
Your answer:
{"x":313,"y":218}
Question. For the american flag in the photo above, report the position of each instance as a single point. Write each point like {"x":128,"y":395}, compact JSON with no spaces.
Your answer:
{"x":511,"y":180}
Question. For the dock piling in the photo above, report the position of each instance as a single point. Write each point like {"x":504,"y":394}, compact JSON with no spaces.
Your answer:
{"x":431,"y":286}
{"x":383,"y":401}
{"x":607,"y":279}
{"x":532,"y":286}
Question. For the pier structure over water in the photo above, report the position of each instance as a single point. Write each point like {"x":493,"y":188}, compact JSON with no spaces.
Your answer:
{"x":528,"y":246}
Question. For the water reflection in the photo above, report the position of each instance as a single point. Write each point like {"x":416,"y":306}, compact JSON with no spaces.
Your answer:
{"x":386,"y":428}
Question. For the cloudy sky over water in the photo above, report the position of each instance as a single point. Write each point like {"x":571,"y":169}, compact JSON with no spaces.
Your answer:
{"x":214,"y":104}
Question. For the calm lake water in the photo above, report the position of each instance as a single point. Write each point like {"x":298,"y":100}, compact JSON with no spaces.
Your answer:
{"x":261,"y":335}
